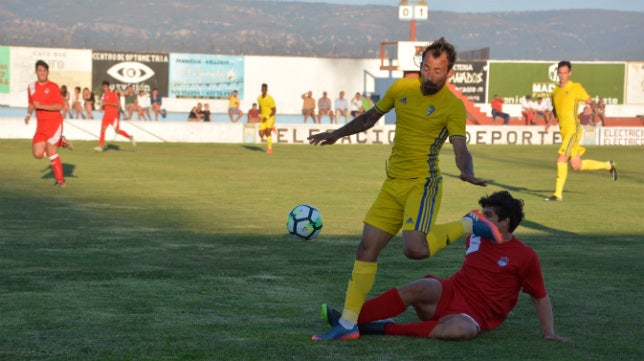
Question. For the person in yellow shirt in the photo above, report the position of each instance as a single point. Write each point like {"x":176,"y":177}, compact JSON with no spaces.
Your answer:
{"x":566,"y":98}
{"x":267,"y":112}
{"x":234,"y":112}
{"x":427,"y":114}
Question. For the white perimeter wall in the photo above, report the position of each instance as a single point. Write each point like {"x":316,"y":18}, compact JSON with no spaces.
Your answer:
{"x":78,"y":129}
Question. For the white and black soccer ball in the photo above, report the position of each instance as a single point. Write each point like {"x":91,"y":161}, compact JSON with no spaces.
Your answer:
{"x":304,"y":221}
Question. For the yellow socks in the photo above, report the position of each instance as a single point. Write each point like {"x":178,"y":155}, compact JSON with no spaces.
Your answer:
{"x":269,"y":142}
{"x":594,"y":165}
{"x":562,"y":175}
{"x":362,"y":278}
{"x":441,"y":235}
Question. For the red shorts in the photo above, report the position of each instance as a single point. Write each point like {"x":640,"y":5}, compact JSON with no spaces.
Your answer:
{"x":110,"y":119}
{"x":453,"y":303}
{"x":49,"y":131}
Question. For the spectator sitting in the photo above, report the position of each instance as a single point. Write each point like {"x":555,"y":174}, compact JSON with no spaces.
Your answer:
{"x":253,"y":114}
{"x":341,"y":108}
{"x":66,"y":96}
{"x":543,"y":109}
{"x":324,"y":108}
{"x":88,"y":102}
{"x":308,"y":106}
{"x":77,"y":107}
{"x":367,"y":103}
{"x":356,"y":105}
{"x":195,"y":113}
{"x":130,"y":102}
{"x":234,"y":112}
{"x":497,"y":110}
{"x":156,"y":103}
{"x":143,"y":103}
{"x":205,"y":113}
{"x":526,"y":110}
{"x":600,"y":113}
{"x":586,"y":117}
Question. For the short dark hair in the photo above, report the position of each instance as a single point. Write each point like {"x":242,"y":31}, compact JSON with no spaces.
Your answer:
{"x":42,"y":63}
{"x":105,"y":82}
{"x":439,"y":47}
{"x":564,"y":63}
{"x":505,"y":206}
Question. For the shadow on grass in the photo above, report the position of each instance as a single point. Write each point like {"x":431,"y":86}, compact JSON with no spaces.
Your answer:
{"x":112,"y":147}
{"x":253,"y":148}
{"x":68,"y":171}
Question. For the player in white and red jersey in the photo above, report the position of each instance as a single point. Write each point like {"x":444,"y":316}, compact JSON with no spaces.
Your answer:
{"x":478,"y":297}
{"x":46,"y":100}
{"x":110,"y":103}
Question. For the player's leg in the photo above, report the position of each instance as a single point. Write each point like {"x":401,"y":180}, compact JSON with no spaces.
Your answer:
{"x":424,"y":295}
{"x":589,"y":164}
{"x":422,"y":203}
{"x":382,"y":221}
{"x":269,"y":135}
{"x":362,"y":278}
{"x":121,"y":132}
{"x":568,"y":145}
{"x":506,"y":118}
{"x":101,"y":139}
{"x":455,"y":327}
{"x":38,"y":148}
{"x":51,"y":147}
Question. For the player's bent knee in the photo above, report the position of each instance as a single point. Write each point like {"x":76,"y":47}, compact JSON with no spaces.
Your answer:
{"x":455,"y":332}
{"x":415,"y":245}
{"x":416,"y":253}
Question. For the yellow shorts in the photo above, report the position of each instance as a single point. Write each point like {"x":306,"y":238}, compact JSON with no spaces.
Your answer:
{"x":410,"y":204}
{"x":570,"y":143}
{"x":268,"y":124}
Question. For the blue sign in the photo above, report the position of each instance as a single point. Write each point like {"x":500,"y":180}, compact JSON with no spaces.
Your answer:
{"x":205,"y":76}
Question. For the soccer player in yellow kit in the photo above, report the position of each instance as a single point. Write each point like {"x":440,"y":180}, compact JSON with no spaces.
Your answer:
{"x":427,"y":114}
{"x":267,"y":112}
{"x":566,"y":99}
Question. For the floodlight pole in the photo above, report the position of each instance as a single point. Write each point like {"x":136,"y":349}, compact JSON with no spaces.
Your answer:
{"x":410,"y":11}
{"x":412,"y":30}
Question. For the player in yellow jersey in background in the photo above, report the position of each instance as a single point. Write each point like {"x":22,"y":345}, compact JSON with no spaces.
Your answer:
{"x":267,"y":112}
{"x":566,"y":98}
{"x":427,"y":114}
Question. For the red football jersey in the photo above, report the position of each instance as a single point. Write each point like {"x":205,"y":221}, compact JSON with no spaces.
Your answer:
{"x":493,"y":274}
{"x":47,"y":93}
{"x":111,"y":111}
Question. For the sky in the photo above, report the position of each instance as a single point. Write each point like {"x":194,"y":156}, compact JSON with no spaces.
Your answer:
{"x":483,"y":6}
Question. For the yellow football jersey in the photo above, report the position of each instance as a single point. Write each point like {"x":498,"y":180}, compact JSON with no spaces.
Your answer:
{"x":566,"y":101}
{"x":423,"y":123}
{"x":266,"y":105}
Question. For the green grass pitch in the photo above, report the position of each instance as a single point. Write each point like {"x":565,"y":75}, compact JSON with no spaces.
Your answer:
{"x":180,"y":252}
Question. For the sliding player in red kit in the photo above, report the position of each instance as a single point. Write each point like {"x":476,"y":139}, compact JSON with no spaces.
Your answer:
{"x":45,"y":99}
{"x":110,"y":103}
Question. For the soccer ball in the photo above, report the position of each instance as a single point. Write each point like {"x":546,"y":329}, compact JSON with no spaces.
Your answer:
{"x":304,"y":221}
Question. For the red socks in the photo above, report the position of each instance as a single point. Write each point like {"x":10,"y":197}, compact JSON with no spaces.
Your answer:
{"x":57,"y":167}
{"x":389,"y":304}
